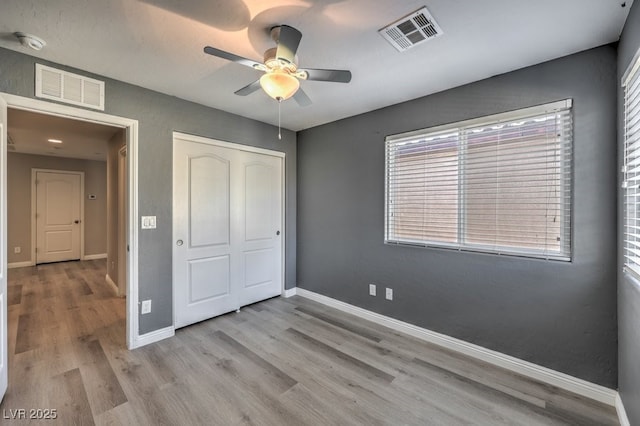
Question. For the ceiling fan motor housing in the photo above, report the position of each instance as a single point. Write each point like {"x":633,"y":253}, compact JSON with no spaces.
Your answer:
{"x":274,"y":63}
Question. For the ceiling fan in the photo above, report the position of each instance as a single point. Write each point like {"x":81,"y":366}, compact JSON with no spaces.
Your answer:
{"x":281,"y":79}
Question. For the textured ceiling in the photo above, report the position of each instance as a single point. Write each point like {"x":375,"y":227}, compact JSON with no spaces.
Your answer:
{"x":158,"y":44}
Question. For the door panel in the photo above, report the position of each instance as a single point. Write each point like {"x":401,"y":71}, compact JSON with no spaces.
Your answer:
{"x":201,"y":226}
{"x":261,"y":244}
{"x":227,"y":229}
{"x":258,"y":200}
{"x":208,"y":201}
{"x":201,"y":288}
{"x":257,"y":267}
{"x":58,"y":215}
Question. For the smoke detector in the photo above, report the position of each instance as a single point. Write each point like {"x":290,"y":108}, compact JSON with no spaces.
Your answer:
{"x":31,"y":41}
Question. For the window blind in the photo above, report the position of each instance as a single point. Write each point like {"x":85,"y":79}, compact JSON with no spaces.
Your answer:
{"x":631,"y":168}
{"x":499,"y":184}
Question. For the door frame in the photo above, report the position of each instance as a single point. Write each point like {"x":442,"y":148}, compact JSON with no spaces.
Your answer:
{"x":134,"y":340}
{"x":122,"y":216}
{"x":34,"y":231}
{"x":240,"y":147}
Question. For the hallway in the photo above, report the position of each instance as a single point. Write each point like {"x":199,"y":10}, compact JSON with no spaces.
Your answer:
{"x":63,"y":317}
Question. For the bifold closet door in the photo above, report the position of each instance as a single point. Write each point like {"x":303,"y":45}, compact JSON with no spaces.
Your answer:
{"x":227,"y":228}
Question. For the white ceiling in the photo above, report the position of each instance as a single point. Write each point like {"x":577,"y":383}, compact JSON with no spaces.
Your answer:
{"x":29,"y":133}
{"x":158,"y":44}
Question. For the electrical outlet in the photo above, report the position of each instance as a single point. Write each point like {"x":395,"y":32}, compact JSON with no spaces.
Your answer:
{"x":17,"y":249}
{"x":146,"y":306}
{"x":389,"y":294}
{"x":372,"y":289}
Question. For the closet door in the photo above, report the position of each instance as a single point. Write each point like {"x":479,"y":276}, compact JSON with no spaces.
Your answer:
{"x":227,"y":219}
{"x":260,"y":210}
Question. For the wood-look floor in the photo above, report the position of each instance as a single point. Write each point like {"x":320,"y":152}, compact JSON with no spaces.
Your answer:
{"x":278,"y":362}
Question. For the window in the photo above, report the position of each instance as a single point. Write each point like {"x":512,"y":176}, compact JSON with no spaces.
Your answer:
{"x":498,"y":184}
{"x":631,"y":168}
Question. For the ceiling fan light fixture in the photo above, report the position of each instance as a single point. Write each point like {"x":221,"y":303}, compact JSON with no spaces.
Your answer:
{"x":279,"y":85}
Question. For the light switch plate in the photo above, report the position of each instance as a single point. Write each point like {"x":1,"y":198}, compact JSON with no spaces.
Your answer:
{"x":146,"y":306}
{"x":148,"y":222}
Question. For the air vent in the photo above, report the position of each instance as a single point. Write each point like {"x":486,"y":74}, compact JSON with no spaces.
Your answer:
{"x":411,"y":30}
{"x":11,"y":145}
{"x":70,"y":88}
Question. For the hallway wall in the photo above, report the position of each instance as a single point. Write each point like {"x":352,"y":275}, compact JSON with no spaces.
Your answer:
{"x":19,"y":202}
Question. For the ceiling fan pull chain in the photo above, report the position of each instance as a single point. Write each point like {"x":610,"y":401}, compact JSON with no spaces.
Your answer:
{"x":279,"y":106}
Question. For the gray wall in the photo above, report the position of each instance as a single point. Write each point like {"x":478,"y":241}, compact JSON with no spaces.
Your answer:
{"x":158,"y":116}
{"x":19,"y":201}
{"x":628,"y":288}
{"x":557,"y":314}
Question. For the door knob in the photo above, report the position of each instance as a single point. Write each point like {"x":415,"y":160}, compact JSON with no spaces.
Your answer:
{"x":277,"y":232}
{"x":76,"y":221}
{"x":179,"y":243}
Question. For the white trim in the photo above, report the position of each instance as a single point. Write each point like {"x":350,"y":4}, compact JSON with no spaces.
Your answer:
{"x":622,"y":413}
{"x":154,"y":336}
{"x":20,"y":264}
{"x":95,"y":256}
{"x":486,"y":120}
{"x":111,"y":284}
{"x":290,"y":292}
{"x":131,"y":126}
{"x":231,"y":145}
{"x":525,"y":368}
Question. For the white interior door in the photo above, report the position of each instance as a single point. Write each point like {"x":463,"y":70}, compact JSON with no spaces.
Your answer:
{"x":3,"y":249}
{"x":260,"y":211}
{"x":58,"y":216}
{"x":227,"y":219}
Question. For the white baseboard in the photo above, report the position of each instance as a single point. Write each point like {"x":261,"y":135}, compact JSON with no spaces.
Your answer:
{"x":525,"y":368}
{"x":290,"y":292}
{"x":112,"y":284}
{"x":20,"y":264}
{"x":95,"y":256}
{"x":154,"y":336}
{"x":622,"y":413}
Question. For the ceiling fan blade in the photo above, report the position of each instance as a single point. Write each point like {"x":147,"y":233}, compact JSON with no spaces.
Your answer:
{"x":232,"y":57}
{"x":301,"y":98}
{"x":248,"y":89}
{"x":288,"y":42}
{"x":336,"y":76}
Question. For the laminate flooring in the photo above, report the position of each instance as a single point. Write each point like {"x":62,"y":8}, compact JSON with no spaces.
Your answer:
{"x":278,"y":362}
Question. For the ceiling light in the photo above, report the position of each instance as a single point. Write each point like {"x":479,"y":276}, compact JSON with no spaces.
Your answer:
{"x":31,"y":41}
{"x":54,"y":140}
{"x":279,"y":85}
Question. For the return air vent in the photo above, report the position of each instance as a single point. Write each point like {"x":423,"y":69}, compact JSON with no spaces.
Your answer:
{"x":11,"y":144}
{"x":70,"y":88}
{"x":411,"y":30}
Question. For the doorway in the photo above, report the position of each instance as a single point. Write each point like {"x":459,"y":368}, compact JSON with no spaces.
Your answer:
{"x":129,"y":129}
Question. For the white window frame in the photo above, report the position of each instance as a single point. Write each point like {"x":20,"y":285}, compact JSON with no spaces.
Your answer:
{"x":631,"y":168}
{"x":566,"y":252}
